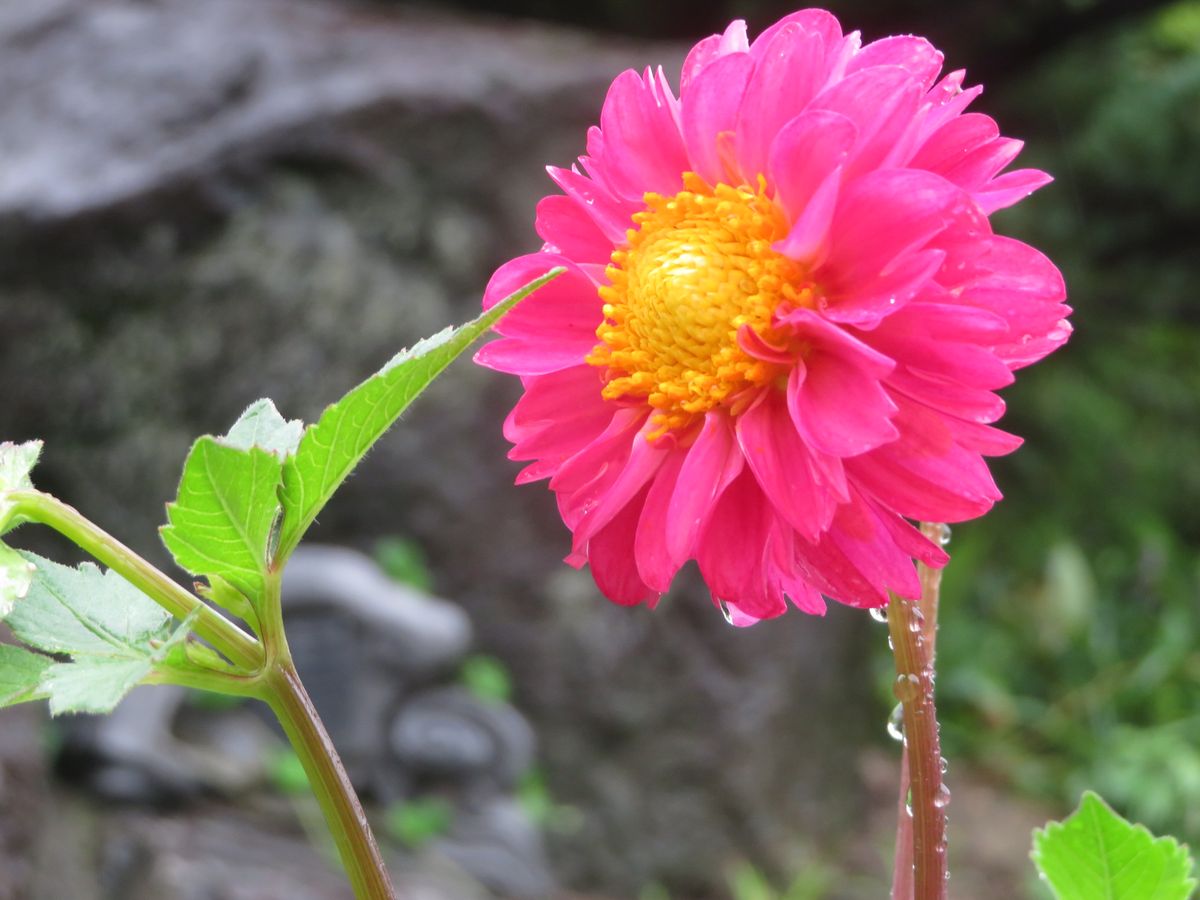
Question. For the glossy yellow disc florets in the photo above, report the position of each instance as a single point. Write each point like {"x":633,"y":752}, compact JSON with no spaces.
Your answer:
{"x":698,"y":268}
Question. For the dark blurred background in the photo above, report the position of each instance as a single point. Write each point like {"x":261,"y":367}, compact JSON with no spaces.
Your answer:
{"x":201,"y":204}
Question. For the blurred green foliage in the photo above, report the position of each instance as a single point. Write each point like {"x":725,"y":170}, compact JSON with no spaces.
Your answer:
{"x":416,"y":822}
{"x":487,"y":678}
{"x":287,"y":774}
{"x":404,"y":561}
{"x":1070,"y":646}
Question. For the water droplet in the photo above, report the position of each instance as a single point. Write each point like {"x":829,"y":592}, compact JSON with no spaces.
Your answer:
{"x":725,"y":611}
{"x":879,"y":614}
{"x":891,"y":646}
{"x":944,"y":537}
{"x":943,"y":765}
{"x":942,"y":798}
{"x":906,"y":687}
{"x":895,"y":723}
{"x":908,"y":803}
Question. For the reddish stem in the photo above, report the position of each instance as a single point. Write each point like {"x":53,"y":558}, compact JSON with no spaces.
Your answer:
{"x":913,"y":629}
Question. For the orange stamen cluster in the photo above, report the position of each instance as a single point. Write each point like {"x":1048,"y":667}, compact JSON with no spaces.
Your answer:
{"x":698,"y":268}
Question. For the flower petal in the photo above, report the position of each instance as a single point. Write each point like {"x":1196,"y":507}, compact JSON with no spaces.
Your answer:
{"x":803,"y":484}
{"x":789,"y":71}
{"x":708,"y":107}
{"x":713,"y":461}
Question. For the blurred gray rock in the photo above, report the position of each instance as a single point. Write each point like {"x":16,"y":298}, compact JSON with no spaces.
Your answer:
{"x":206,"y":203}
{"x":447,"y":733}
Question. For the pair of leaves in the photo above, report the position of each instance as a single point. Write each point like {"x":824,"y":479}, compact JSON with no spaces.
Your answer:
{"x":1094,"y":854}
{"x":244,"y":502}
{"x":246,"y":499}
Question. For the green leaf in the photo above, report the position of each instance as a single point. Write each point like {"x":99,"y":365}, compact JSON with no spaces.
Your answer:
{"x":221,"y":521}
{"x":16,"y":462}
{"x":332,"y":447}
{"x":113,"y":633}
{"x":16,"y":574}
{"x":20,"y":674}
{"x":262,"y":426}
{"x":85,"y":610}
{"x":92,"y":684}
{"x":1094,"y":854}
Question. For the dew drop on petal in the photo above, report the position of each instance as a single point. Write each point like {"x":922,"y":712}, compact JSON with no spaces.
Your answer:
{"x":879,"y":614}
{"x":725,"y":611}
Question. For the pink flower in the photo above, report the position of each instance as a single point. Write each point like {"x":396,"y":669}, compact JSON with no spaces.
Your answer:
{"x":782,"y":321}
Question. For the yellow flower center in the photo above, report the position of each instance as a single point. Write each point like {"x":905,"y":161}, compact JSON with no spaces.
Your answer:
{"x":698,"y":268}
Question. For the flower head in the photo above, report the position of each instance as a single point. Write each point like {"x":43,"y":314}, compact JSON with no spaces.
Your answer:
{"x":782,"y":321}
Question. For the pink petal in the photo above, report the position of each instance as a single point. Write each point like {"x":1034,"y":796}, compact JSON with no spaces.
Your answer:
{"x":612,"y":216}
{"x":732,"y":547}
{"x":788,"y":72}
{"x":802,"y":484}
{"x":953,"y":141}
{"x":655,"y":564}
{"x":925,"y":475}
{"x":567,"y":229}
{"x":976,"y":168}
{"x":839,"y":408}
{"x":1012,"y":187}
{"x":562,"y":314}
{"x":713,"y":461}
{"x":872,"y":99}
{"x":643,"y":149}
{"x":610,"y":555}
{"x":808,"y":239}
{"x":643,"y":462}
{"x":883,"y":216}
{"x":952,"y":397}
{"x":806,"y":151}
{"x":709,"y":106}
{"x":914,"y":54}
{"x":524,"y":357}
{"x":816,"y":21}
{"x":865,"y":304}
{"x":603,"y":458}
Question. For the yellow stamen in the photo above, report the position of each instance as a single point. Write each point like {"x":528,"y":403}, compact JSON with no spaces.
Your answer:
{"x":698,"y":268}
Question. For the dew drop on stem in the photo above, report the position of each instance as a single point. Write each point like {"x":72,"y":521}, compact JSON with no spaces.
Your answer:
{"x":879,"y":614}
{"x":895,"y":723}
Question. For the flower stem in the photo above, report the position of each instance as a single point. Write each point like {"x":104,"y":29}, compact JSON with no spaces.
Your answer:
{"x":239,"y":647}
{"x":913,"y":629}
{"x":344,"y":814}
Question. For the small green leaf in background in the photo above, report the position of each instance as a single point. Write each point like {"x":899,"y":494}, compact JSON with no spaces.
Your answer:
{"x":287,"y":772}
{"x":417,"y":822}
{"x":114,"y":634}
{"x":1094,"y":854}
{"x":486,"y":678}
{"x":262,"y":426}
{"x":404,"y":561}
{"x":221,"y":521}
{"x":16,"y":462}
{"x":332,"y":447}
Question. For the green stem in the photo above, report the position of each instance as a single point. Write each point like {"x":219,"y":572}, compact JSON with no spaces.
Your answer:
{"x":240,"y":648}
{"x":913,"y":629}
{"x":344,"y":814}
